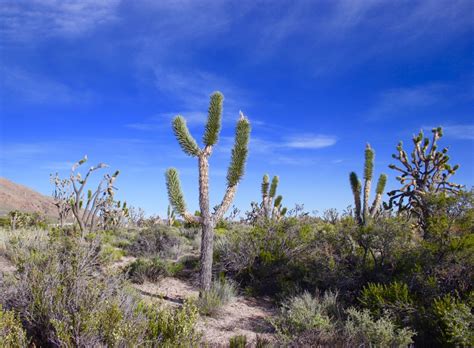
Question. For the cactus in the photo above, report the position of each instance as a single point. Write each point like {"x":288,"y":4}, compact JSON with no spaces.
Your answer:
{"x":426,"y":172}
{"x":364,"y":212}
{"x":234,"y":175}
{"x":271,"y":206}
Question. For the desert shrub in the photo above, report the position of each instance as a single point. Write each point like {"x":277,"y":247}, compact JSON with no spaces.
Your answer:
{"x":238,"y":341}
{"x":110,"y":253}
{"x":222,"y":291}
{"x":306,"y":313}
{"x":160,"y":240}
{"x":173,"y":327}
{"x":454,"y":321}
{"x":393,"y":299}
{"x":65,"y":299}
{"x":19,"y":243}
{"x":152,"y":269}
{"x":361,"y":329}
{"x":235,"y":251}
{"x":12,"y":334}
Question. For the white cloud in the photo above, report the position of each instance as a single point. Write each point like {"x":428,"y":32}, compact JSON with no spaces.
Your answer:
{"x":40,"y":19}
{"x":316,"y":141}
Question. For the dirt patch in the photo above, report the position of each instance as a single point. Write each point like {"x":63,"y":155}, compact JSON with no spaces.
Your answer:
{"x":6,"y":266}
{"x":244,"y":316}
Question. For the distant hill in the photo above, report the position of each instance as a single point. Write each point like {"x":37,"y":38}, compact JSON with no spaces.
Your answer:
{"x":14,"y":196}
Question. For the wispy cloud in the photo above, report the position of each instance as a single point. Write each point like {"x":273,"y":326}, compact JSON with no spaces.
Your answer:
{"x":307,"y":141}
{"x":456,"y":131}
{"x":163,"y":121}
{"x":193,"y":88}
{"x":36,"y":88}
{"x":41,"y":19}
{"x":405,"y":101}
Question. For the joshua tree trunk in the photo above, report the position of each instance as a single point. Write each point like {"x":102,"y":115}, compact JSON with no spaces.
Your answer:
{"x":207,"y":237}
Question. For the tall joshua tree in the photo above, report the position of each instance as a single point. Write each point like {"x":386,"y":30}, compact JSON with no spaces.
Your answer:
{"x":234,"y":174}
{"x":363,"y":211}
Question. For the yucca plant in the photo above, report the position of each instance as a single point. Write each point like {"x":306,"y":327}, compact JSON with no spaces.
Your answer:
{"x":234,"y":175}
{"x":271,"y":204}
{"x":424,"y":173}
{"x":363,"y":211}
{"x":96,"y":202}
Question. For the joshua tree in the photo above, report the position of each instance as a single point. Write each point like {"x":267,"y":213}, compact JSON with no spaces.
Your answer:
{"x":62,"y":195}
{"x":170,"y":215}
{"x":271,"y":205}
{"x":424,"y":173}
{"x":363,"y":212}
{"x":113,"y":214}
{"x":234,"y":174}
{"x":96,"y":201}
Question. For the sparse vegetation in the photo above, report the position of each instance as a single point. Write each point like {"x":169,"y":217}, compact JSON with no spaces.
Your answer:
{"x":373,"y":276}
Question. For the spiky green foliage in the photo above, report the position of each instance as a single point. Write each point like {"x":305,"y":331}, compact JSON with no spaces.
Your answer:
{"x":362,"y":210}
{"x":369,"y":163}
{"x":278,"y":201}
{"x":239,"y":152}
{"x":175,"y":194}
{"x":271,"y":208}
{"x":214,"y":120}
{"x":185,"y":139}
{"x":265,"y":185}
{"x":355,"y":183}
{"x":381,"y":184}
{"x":356,"y":191}
{"x":273,"y":186}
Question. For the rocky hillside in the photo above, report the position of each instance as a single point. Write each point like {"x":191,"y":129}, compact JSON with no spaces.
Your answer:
{"x":18,"y":197}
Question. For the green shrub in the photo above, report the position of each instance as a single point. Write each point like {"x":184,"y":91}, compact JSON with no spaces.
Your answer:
{"x":173,"y":328}
{"x":12,"y":334}
{"x":152,"y":269}
{"x":160,"y":240}
{"x":238,"y":341}
{"x":304,"y":313}
{"x":393,"y":299}
{"x":361,"y":329}
{"x":454,"y":321}
{"x":222,"y":292}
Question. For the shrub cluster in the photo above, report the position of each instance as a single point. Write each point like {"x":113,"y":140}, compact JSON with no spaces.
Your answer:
{"x":320,"y":320}
{"x":387,"y":269}
{"x":64,"y":297}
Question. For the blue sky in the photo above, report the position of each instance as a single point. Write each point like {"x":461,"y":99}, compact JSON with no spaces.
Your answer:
{"x":317,"y":79}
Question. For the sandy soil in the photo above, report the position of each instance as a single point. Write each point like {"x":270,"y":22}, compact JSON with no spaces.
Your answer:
{"x":244,"y":316}
{"x":6,"y":266}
